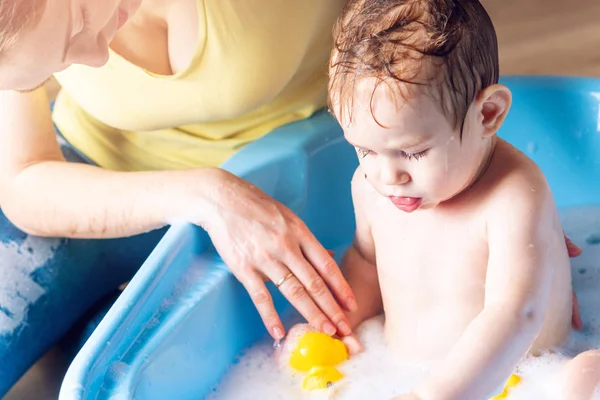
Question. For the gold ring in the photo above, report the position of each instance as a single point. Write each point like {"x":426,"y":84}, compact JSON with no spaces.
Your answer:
{"x":282,"y":280}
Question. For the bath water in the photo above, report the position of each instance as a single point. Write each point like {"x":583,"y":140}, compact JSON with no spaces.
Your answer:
{"x":373,"y":374}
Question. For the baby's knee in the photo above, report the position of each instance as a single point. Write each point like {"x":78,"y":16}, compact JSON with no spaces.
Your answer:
{"x":585,"y":364}
{"x":582,"y":376}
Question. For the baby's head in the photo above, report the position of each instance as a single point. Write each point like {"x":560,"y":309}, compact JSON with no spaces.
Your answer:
{"x":414,"y":85}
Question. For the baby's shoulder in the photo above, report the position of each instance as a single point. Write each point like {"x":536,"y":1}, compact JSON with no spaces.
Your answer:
{"x":514,"y":180}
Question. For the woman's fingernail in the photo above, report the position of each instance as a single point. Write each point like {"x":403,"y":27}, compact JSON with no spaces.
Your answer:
{"x":278,"y":332}
{"x":329,"y":329}
{"x":344,"y":328}
{"x":351,"y":304}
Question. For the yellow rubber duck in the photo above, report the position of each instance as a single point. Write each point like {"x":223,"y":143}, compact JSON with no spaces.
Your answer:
{"x":321,"y":378}
{"x":513,"y":381}
{"x":317,"y":354}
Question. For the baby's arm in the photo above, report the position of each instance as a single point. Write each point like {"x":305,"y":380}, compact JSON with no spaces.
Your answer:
{"x":520,"y":233}
{"x":359,"y":267}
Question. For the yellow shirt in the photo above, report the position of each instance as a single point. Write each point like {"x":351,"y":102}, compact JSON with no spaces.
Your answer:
{"x":263,"y":64}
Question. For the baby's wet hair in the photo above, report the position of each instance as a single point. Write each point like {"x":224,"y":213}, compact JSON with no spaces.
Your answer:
{"x":448,"y":48}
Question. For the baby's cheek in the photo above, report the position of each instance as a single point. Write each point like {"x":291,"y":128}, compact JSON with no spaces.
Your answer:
{"x":449,"y":178}
{"x":438,"y":183}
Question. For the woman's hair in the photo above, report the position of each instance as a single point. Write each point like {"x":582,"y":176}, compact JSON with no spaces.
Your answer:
{"x":16,"y":17}
{"x":448,"y":47}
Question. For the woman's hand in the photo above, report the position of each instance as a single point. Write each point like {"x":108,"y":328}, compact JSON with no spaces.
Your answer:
{"x":576,"y":320}
{"x":260,"y":239}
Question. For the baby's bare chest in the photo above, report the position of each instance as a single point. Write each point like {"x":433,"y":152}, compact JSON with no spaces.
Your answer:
{"x":444,"y":256}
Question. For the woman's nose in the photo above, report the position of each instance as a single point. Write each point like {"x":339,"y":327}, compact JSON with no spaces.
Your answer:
{"x":88,"y":53}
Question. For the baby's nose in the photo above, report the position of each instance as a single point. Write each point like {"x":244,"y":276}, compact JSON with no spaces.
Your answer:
{"x":393,"y":176}
{"x":404,"y":178}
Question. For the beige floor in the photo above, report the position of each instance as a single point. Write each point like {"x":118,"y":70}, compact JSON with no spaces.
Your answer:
{"x":550,"y":37}
{"x":553,"y":37}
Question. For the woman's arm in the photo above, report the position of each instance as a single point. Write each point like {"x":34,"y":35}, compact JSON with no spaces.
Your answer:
{"x":256,"y":236}
{"x":46,"y":196}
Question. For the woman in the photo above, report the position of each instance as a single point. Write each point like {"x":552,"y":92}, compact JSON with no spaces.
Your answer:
{"x":156,"y":94}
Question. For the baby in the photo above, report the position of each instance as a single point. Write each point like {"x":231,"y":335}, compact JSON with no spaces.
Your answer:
{"x":458,"y":239}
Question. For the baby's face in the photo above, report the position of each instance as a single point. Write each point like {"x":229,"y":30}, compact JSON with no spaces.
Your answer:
{"x":413,"y":156}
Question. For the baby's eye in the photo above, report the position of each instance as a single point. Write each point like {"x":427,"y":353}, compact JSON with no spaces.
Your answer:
{"x":415,"y":156}
{"x":362,"y":153}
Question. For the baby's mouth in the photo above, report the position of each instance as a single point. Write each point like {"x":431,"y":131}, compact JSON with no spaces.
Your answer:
{"x":407,"y":204}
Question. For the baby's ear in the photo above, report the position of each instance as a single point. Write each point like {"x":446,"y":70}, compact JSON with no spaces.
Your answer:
{"x":493,"y":104}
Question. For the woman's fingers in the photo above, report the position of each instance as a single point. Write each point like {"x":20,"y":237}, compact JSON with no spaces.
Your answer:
{"x":319,"y":293}
{"x":298,"y":296}
{"x":263,"y":302}
{"x":323,"y":263}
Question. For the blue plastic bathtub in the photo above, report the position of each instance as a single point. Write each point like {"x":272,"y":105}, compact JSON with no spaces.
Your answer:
{"x":179,"y":324}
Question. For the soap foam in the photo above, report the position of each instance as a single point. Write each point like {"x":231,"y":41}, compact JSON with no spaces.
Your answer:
{"x":374,"y":374}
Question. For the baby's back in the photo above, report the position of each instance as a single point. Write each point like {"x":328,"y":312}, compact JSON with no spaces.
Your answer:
{"x":433,"y":264}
